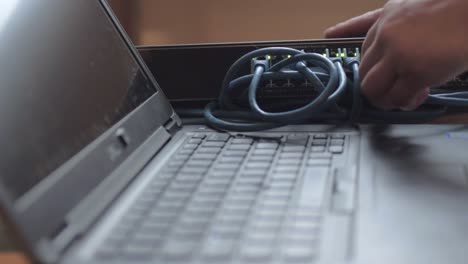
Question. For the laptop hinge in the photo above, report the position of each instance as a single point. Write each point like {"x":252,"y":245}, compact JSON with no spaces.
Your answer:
{"x":173,"y":124}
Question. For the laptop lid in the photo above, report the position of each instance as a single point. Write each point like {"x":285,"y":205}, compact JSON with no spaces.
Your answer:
{"x":76,"y":101}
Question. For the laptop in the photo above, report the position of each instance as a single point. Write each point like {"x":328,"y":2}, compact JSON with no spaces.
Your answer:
{"x":98,"y":168}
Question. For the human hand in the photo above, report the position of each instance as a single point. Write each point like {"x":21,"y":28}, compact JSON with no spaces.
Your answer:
{"x":409,"y":47}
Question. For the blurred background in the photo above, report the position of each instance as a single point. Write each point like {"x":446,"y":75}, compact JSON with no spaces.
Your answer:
{"x":156,"y":22}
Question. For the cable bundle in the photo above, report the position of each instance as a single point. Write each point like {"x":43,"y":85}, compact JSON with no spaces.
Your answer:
{"x":339,"y":99}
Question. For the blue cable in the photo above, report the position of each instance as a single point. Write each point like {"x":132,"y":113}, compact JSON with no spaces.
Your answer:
{"x":338,"y":98}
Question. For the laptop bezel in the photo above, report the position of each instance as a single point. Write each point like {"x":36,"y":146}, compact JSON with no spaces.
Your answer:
{"x":97,"y":161}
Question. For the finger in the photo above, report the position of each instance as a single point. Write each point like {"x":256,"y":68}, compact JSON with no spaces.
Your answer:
{"x":372,"y":56}
{"x":378,"y":82}
{"x":354,"y":27}
{"x":370,"y":38}
{"x":418,"y":100}
{"x":406,"y":94}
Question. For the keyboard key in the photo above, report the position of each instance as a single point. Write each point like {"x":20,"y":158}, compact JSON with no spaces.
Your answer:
{"x":217,"y":183}
{"x":222,"y":173}
{"x":274,"y":204}
{"x":181,"y":187}
{"x":260,"y":236}
{"x":137,"y":251}
{"x":209,"y":196}
{"x":318,"y":162}
{"x":290,"y":162}
{"x":235,"y":212}
{"x":207,"y":208}
{"x":176,"y":163}
{"x":264,"y":152}
{"x":181,"y":157}
{"x":234,"y":160}
{"x":239,"y":147}
{"x":291,"y":156}
{"x":242,"y":141}
{"x":234,"y":205}
{"x":193,"y":170}
{"x":261,"y":158}
{"x":204,"y":150}
{"x":293,"y":148}
{"x":195,"y":141}
{"x":284,"y":176}
{"x":299,"y":236}
{"x":265,"y":226}
{"x":228,"y":217}
{"x":186,"y":152}
{"x":190,"y":146}
{"x":266,"y":146}
{"x":253,"y":174}
{"x":337,"y":142}
{"x":215,"y":144}
{"x":174,"y":193}
{"x":226,"y":231}
{"x":199,"y":135}
{"x":280,"y":185}
{"x":249,"y":181}
{"x":286,"y":169}
{"x":299,"y":253}
{"x":244,"y":198}
{"x":148,"y":239}
{"x":313,"y":214}
{"x":178,"y":249}
{"x":171,"y":205}
{"x":317,"y":149}
{"x":258,"y":165}
{"x":235,"y":153}
{"x":189,"y":220}
{"x":298,"y":139}
{"x":204,"y":156}
{"x":303,"y":226}
{"x":320,"y":136}
{"x":196,"y":216}
{"x":217,"y":248}
{"x":185,"y":232}
{"x":338,"y":136}
{"x":257,"y":250}
{"x":246,"y":189}
{"x":319,"y":142}
{"x":336,"y":149}
{"x":277,"y":196}
{"x":159,"y":220}
{"x":226,"y":166}
{"x":325,"y":155}
{"x":199,"y":163}
{"x":267,"y":215}
{"x":218,"y":137}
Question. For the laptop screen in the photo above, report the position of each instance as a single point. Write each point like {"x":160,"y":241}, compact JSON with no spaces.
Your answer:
{"x":66,"y":76}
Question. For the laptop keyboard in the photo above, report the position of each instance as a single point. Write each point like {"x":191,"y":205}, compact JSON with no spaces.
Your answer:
{"x":224,"y":198}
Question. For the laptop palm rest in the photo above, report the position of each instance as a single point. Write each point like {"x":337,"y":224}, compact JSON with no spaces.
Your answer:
{"x":413,"y":206}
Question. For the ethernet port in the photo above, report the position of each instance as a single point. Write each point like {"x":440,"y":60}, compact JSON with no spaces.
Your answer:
{"x":288,"y":84}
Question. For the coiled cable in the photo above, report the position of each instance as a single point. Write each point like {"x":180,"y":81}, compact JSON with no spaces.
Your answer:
{"x":338,"y":98}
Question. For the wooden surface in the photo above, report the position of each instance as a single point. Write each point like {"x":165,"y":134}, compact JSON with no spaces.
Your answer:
{"x":12,"y":258}
{"x":152,"y":22}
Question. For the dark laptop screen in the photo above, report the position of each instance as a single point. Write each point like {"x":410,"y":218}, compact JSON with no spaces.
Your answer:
{"x":66,"y":76}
